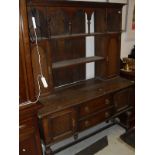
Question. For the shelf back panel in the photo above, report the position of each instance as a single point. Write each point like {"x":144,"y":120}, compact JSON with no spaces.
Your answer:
{"x":55,"y":21}
{"x":68,"y":75}
{"x":66,"y":49}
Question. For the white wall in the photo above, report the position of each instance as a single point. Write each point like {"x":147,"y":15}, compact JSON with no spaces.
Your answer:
{"x":126,"y":44}
{"x":90,"y":49}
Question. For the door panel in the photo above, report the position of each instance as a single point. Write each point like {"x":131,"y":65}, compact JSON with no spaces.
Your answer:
{"x":113,"y":55}
{"x":122,"y":99}
{"x":28,"y":146}
{"x":22,"y":83}
{"x":59,"y":125}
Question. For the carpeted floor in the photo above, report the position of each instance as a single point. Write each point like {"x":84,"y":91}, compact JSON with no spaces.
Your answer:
{"x":115,"y":145}
{"x":95,"y":147}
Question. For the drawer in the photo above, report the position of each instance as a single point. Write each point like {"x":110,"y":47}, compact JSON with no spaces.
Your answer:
{"x":25,"y":125}
{"x":28,"y":146}
{"x":95,"y":105}
{"x":93,"y":120}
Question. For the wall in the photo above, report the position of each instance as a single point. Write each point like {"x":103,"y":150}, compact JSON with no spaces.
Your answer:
{"x":126,"y":44}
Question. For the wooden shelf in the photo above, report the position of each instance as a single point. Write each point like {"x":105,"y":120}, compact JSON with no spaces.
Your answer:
{"x":78,"y":35}
{"x":65,"y":36}
{"x":72,"y":62}
{"x":80,"y":3}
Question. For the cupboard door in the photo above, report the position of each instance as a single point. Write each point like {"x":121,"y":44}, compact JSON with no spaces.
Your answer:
{"x":26,"y":81}
{"x":113,"y":55}
{"x":22,"y":83}
{"x":123,"y":99}
{"x":59,"y":125}
{"x":114,"y":19}
{"x":45,"y":59}
{"x":28,"y":146}
{"x":29,"y":139}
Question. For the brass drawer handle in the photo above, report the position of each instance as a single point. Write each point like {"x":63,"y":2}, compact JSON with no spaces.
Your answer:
{"x":24,"y":150}
{"x":86,"y":109}
{"x":86,"y":123}
{"x":22,"y":126}
{"x":107,"y":114}
{"x":107,"y":101}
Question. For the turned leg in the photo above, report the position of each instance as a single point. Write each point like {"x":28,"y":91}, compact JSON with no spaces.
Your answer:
{"x":128,"y":113}
{"x":48,"y":151}
{"x":113,"y":120}
{"x":76,"y":136}
{"x":107,"y":121}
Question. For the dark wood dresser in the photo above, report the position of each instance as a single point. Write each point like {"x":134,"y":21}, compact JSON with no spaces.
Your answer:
{"x":71,"y":102}
{"x":74,"y":109}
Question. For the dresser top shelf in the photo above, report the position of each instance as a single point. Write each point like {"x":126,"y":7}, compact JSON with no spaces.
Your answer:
{"x":80,"y":92}
{"x":70,"y":3}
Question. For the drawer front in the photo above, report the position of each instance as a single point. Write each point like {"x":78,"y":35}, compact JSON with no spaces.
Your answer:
{"x":93,"y":120}
{"x":26,"y":125}
{"x":28,"y":146}
{"x":95,"y":105}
